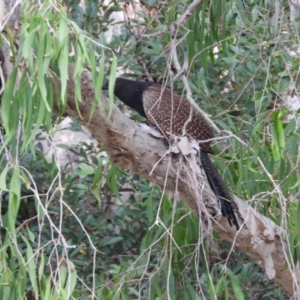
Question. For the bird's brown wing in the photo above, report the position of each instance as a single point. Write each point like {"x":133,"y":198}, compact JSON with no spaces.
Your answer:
{"x":174,"y":115}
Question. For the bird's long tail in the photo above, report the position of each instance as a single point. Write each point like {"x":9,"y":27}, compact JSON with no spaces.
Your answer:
{"x":217,"y":185}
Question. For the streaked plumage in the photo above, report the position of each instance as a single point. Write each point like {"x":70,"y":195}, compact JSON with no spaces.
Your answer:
{"x":173,"y":114}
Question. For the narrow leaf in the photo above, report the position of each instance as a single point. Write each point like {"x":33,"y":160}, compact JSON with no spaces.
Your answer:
{"x":111,"y":86}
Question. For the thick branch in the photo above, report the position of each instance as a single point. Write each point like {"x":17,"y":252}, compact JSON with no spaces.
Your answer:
{"x":132,"y":148}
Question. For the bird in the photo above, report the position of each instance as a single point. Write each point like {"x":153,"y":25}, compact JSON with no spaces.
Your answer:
{"x":174,"y":115}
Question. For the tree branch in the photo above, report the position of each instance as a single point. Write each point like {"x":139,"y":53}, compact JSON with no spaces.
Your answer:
{"x":132,"y":148}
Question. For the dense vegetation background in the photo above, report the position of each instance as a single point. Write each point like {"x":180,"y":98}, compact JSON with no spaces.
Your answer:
{"x":98,"y":232}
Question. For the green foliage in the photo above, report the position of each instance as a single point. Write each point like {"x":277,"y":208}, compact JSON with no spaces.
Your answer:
{"x":71,"y":234}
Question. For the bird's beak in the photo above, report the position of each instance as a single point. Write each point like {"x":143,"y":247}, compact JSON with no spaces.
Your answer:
{"x":105,"y":86}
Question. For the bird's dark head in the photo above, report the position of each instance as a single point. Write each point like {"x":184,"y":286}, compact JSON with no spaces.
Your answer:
{"x":130,"y":92}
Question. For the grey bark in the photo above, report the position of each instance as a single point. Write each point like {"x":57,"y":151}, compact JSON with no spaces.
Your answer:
{"x":132,"y":148}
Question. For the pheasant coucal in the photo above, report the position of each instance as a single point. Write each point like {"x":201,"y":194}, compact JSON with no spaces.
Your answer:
{"x":174,"y":115}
